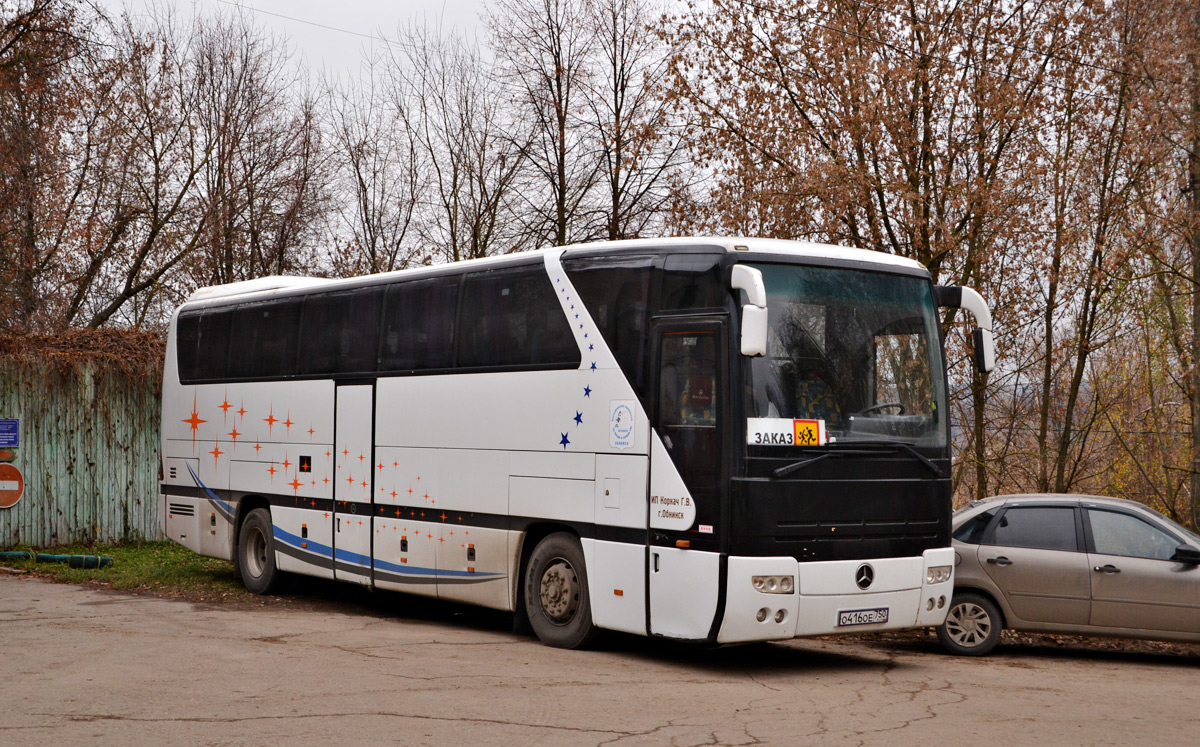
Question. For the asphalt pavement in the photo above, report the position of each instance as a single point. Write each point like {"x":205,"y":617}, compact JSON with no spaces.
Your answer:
{"x":84,"y":665}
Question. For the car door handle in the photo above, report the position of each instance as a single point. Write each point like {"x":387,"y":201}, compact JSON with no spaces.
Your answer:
{"x":1110,"y":568}
{"x":1001,"y":560}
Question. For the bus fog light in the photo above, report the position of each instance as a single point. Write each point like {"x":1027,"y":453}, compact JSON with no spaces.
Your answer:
{"x":762,"y":614}
{"x":774,"y":584}
{"x":780,"y":616}
{"x":941,"y":602}
{"x":938,"y":574}
{"x":929,"y":605}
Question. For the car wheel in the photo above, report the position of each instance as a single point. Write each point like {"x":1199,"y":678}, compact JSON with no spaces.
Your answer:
{"x":556,"y":593}
{"x":972,"y":626}
{"x":256,"y":553}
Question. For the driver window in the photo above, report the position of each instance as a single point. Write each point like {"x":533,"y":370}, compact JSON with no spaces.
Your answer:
{"x":1115,"y":533}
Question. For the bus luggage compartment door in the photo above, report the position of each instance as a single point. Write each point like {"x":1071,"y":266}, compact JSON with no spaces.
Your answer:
{"x":354,"y":486}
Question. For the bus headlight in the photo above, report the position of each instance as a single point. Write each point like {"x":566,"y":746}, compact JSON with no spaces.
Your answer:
{"x":774,"y":584}
{"x":938,"y":574}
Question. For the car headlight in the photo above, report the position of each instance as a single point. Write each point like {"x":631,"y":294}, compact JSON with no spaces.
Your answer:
{"x":937,"y":574}
{"x":774,"y":584}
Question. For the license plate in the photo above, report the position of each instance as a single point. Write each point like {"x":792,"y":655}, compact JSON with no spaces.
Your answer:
{"x":872,"y":616}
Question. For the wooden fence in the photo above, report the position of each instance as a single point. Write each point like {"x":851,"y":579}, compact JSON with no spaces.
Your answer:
{"x":89,"y":449}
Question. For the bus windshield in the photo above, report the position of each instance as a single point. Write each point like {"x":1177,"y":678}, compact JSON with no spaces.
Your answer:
{"x":855,"y":353}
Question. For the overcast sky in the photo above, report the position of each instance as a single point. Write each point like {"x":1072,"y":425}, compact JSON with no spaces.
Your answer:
{"x":329,"y":34}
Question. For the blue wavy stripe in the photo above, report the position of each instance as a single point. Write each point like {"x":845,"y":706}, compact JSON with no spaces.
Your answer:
{"x":224,"y":507}
{"x":365,"y":561}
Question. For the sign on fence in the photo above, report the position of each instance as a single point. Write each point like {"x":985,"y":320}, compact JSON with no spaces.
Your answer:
{"x":10,"y":433}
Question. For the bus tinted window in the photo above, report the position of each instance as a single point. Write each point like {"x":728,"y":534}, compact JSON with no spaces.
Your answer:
{"x":418,"y":326}
{"x":264,"y":339}
{"x":339,"y":332}
{"x":511,"y":317}
{"x":616,"y":292}
{"x":202,"y":342}
{"x":692,"y":281}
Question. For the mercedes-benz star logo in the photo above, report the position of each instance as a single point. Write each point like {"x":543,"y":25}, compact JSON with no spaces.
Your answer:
{"x":864,"y":576}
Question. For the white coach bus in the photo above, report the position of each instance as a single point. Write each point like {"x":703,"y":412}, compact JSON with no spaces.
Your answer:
{"x":711,"y":440}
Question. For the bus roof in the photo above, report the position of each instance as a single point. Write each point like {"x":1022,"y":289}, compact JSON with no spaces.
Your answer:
{"x":266,"y":286}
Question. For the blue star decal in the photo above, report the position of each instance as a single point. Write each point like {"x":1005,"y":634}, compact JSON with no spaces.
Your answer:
{"x":590,"y":346}
{"x":564,"y":441}
{"x":587,"y":391}
{"x":593,"y":365}
{"x":576,"y":316}
{"x":578,"y":418}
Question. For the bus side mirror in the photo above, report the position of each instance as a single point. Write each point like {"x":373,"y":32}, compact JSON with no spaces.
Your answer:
{"x":754,"y":313}
{"x":958,"y":296}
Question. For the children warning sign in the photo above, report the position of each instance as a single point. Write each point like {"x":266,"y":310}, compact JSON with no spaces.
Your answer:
{"x":785,"y":432}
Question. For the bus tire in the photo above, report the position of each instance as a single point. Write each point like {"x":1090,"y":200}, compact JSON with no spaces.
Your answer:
{"x":556,"y":593}
{"x":256,"y":553}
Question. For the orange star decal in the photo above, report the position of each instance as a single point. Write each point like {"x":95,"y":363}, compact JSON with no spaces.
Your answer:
{"x":257,"y":447}
{"x":225,"y":404}
{"x":310,"y":430}
{"x":285,"y":462}
{"x":241,"y":411}
{"x":272,"y":470}
{"x":296,"y":485}
{"x":271,"y":420}
{"x":289,"y":422}
{"x":194,"y":421}
{"x":216,"y":452}
{"x":234,"y":434}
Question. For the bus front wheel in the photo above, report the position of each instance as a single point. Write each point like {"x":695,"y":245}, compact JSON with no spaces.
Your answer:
{"x":256,"y":553}
{"x":556,"y":593}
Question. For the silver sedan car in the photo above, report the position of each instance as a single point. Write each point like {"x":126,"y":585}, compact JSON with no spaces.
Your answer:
{"x":1075,"y":564}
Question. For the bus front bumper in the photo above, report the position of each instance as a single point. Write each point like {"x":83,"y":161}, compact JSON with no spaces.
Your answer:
{"x":835,"y":597}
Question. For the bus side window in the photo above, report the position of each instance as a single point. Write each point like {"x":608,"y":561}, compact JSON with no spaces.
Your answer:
{"x":263,"y":341}
{"x":512,"y":317}
{"x":692,"y":281}
{"x":616,"y":292}
{"x":202,"y":345}
{"x":338,"y":332}
{"x":418,"y":327}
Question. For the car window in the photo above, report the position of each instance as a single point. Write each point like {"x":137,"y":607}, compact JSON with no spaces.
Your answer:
{"x":971,"y":532}
{"x":1116,"y":533}
{"x":1041,"y":527}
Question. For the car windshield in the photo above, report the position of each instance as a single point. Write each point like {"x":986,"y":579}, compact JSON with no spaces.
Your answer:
{"x":855,"y":352}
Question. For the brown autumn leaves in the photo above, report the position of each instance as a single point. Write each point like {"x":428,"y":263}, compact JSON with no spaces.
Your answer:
{"x":1044,"y":153}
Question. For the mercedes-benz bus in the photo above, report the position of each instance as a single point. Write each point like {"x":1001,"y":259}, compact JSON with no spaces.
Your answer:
{"x":710,"y":440}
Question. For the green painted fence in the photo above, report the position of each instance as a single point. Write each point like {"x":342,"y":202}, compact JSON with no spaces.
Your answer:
{"x":89,"y":450}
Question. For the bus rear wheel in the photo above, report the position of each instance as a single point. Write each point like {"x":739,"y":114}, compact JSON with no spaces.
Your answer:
{"x":256,"y":553}
{"x":556,"y":593}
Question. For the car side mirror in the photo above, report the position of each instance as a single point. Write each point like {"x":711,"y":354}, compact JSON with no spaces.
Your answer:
{"x":1186,"y":554}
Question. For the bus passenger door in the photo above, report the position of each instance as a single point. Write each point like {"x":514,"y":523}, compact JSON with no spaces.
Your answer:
{"x":686,"y":474}
{"x":353,"y":488}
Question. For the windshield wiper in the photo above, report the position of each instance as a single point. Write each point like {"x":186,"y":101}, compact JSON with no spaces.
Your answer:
{"x":785,"y":471}
{"x":861,"y":448}
{"x":904,"y":447}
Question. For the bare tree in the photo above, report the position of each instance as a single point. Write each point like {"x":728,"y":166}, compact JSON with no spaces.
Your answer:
{"x":543,"y":49}
{"x":640,"y":146}
{"x":472,"y":148}
{"x":381,"y":177}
